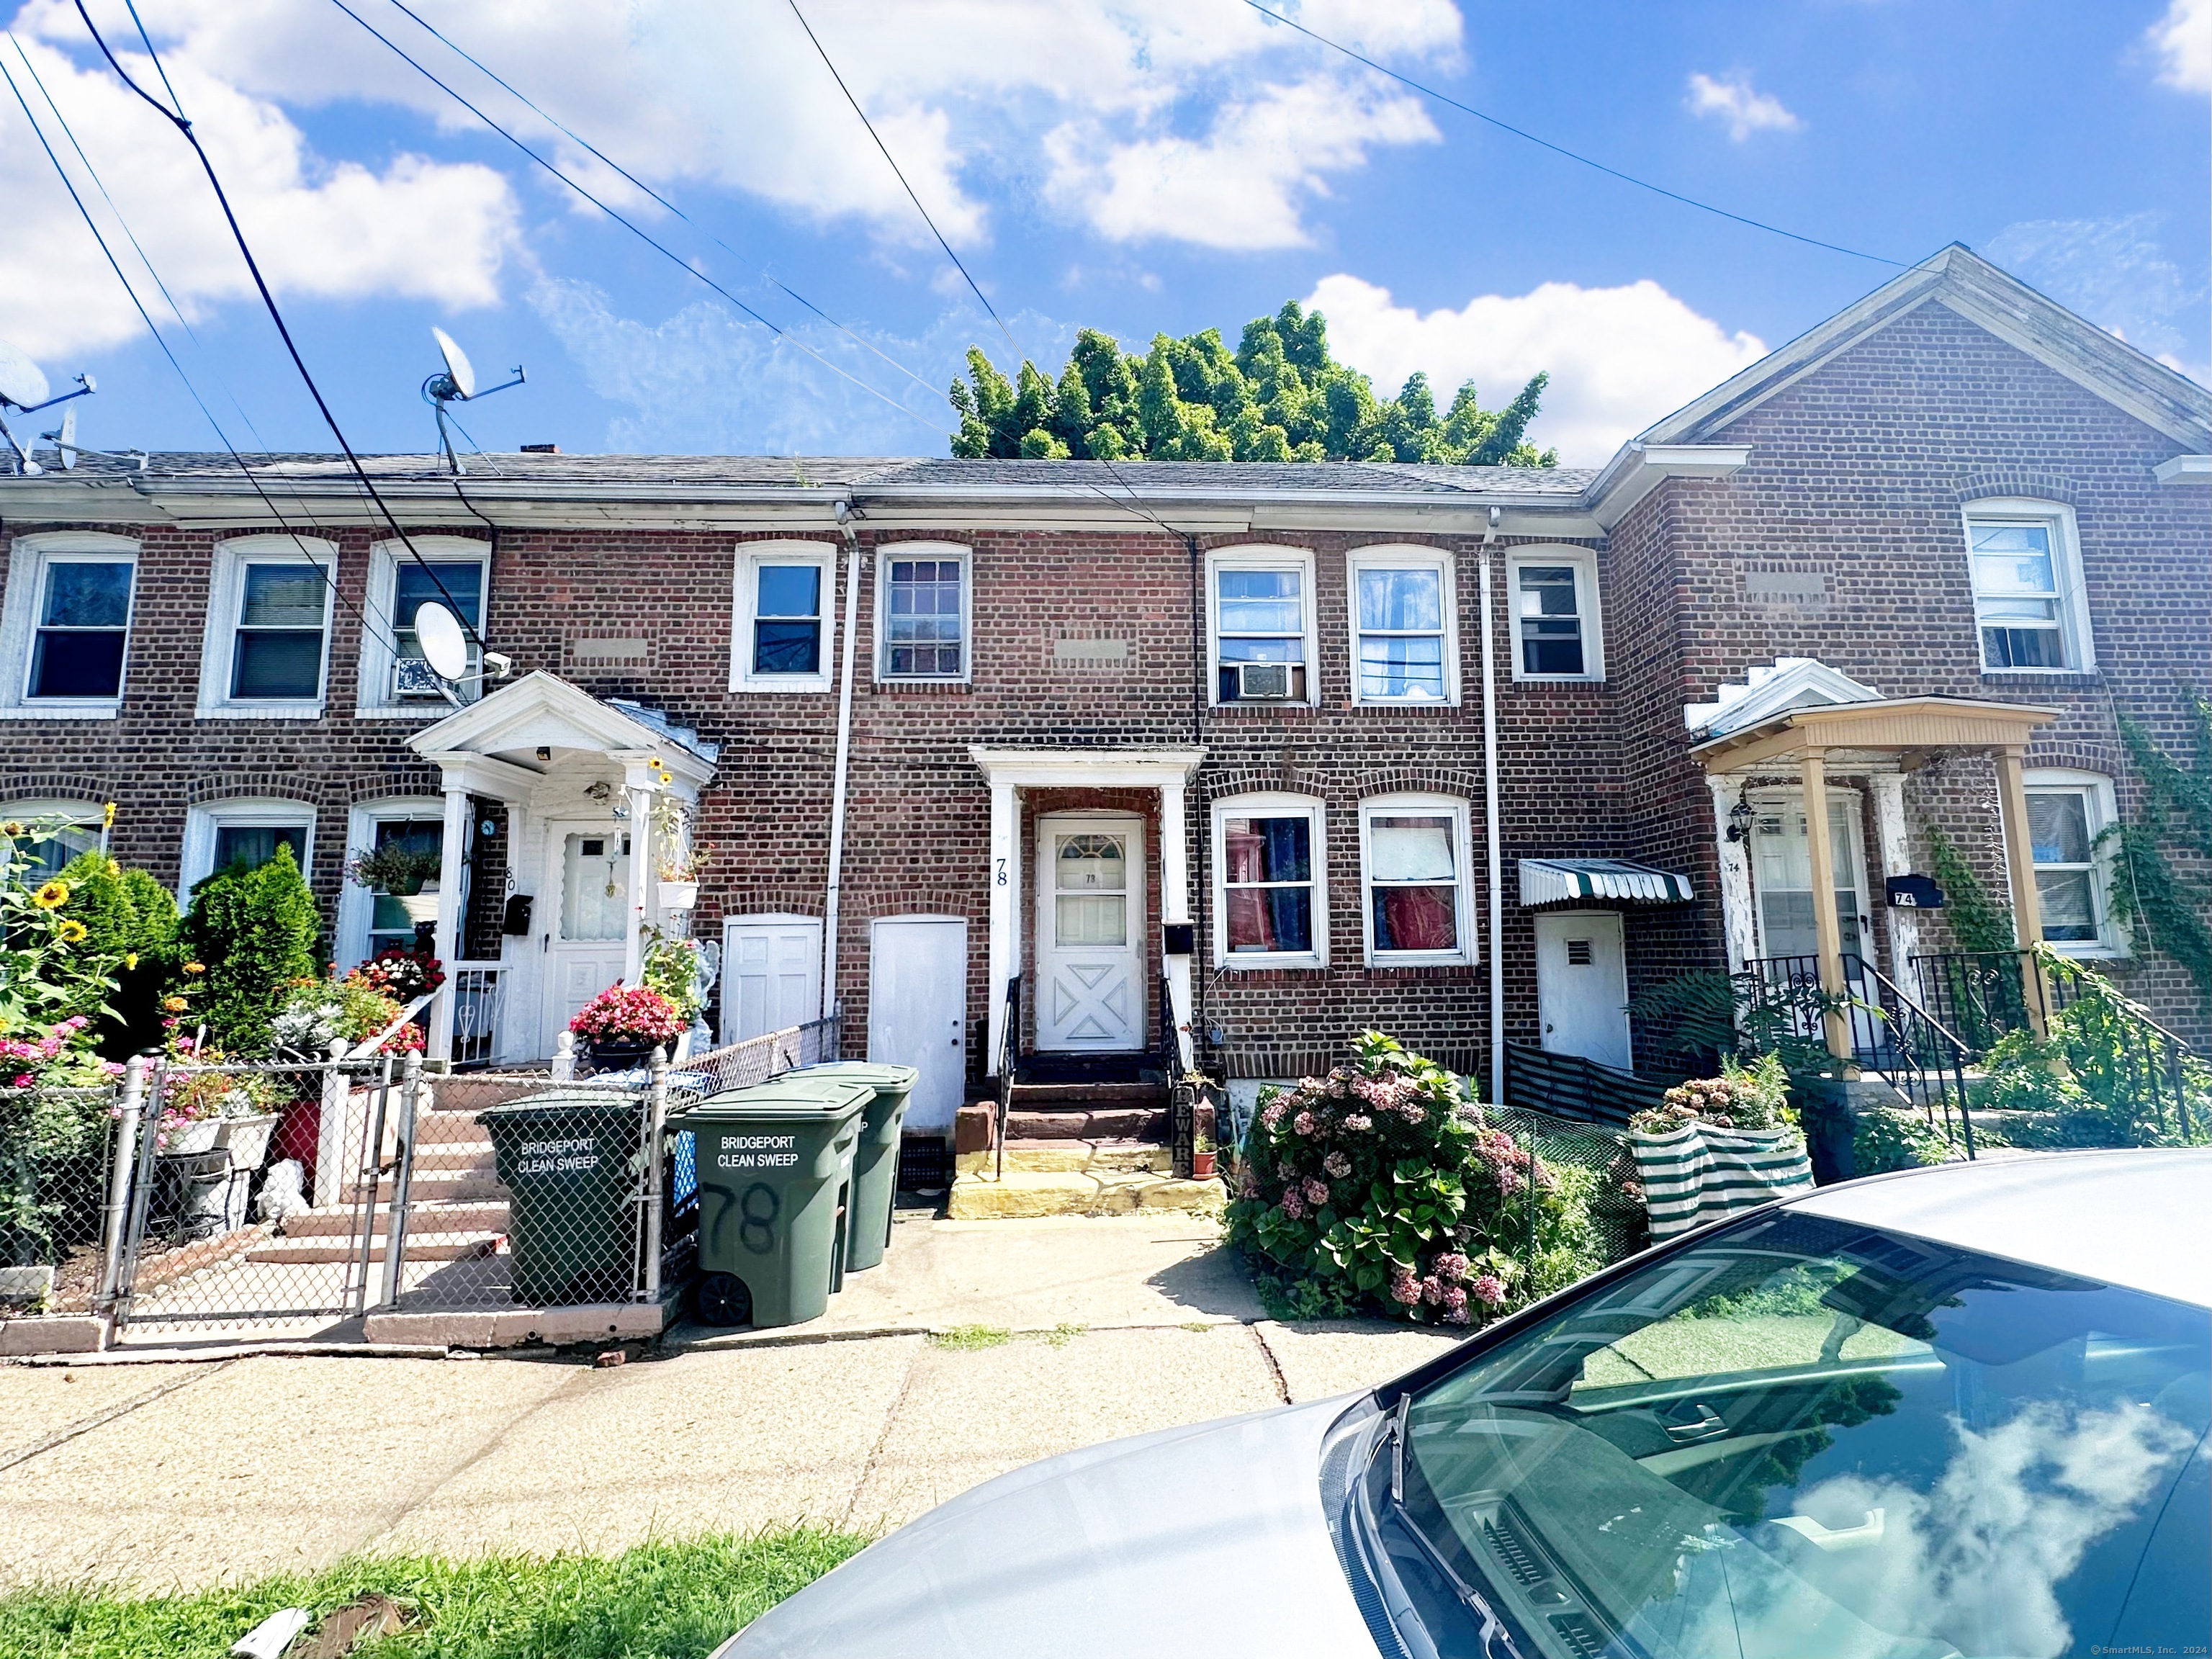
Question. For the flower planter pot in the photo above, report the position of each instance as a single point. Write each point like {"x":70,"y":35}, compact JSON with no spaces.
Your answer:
{"x":248,"y":1138}
{"x":199,"y":1136}
{"x":679,"y":895}
{"x":420,"y":906}
{"x":1201,"y":1166}
{"x":612,"y":1054}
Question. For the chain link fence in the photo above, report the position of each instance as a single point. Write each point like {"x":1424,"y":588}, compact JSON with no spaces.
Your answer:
{"x":1617,"y":1213}
{"x":57,"y":1147}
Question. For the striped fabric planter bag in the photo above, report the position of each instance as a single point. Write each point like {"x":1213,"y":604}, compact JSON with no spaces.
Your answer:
{"x":1701,"y":1172}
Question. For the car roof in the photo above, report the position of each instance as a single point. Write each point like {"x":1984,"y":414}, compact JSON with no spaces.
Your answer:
{"x":2137,"y":1218}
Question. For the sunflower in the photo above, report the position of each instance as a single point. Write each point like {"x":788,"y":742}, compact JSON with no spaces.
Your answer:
{"x":52,"y":896}
{"x":11,"y":829}
{"x":71,"y":932}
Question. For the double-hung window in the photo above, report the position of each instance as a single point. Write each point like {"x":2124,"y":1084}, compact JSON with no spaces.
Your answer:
{"x":2026,"y":585}
{"x":1414,"y":863}
{"x":78,"y":830}
{"x":1271,"y":906}
{"x":1552,"y":599}
{"x":785,"y":605}
{"x":373,"y":920}
{"x":269,"y":623}
{"x":1262,"y":625}
{"x":922,"y":603}
{"x":445,"y":570}
{"x":1404,"y":645}
{"x":2066,"y":813}
{"x":67,"y":624}
{"x":247,"y":831}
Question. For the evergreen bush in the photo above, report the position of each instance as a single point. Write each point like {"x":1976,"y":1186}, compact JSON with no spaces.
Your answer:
{"x":130,"y":919}
{"x":255,"y":930}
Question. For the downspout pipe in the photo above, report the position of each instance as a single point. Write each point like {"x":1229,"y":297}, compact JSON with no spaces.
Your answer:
{"x":1490,"y":823}
{"x":846,"y":513}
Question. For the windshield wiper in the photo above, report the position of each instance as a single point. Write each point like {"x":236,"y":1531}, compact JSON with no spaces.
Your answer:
{"x":1490,"y":1631}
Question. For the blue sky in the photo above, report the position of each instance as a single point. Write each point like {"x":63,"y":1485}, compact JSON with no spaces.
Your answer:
{"x":1131,"y":164}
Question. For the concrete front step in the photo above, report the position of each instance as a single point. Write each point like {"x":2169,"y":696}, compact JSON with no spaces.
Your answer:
{"x":1077,"y":1123}
{"x":436,"y":1185}
{"x":1073,"y":1156}
{"x":1069,"y":1097}
{"x":421,"y":1247}
{"x":1028,"y":1194}
{"x":477,"y":1215}
{"x":440,"y":1128}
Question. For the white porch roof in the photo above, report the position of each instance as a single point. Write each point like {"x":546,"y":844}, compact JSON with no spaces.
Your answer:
{"x":506,"y":741}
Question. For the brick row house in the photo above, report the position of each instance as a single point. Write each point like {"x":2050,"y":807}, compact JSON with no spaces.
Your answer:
{"x":1232,"y":760}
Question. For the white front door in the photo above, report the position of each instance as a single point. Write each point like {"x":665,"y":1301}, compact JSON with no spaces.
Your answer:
{"x":918,"y":1011}
{"x":771,"y":975}
{"x":1090,"y":933}
{"x":1582,"y":985}
{"x":588,"y":882}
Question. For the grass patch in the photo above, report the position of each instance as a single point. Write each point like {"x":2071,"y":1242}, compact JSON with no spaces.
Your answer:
{"x":968,"y":1339}
{"x":669,"y":1600}
{"x":1059,"y":1336}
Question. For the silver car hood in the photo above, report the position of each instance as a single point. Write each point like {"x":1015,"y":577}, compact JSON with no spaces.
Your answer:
{"x":1136,"y":1546}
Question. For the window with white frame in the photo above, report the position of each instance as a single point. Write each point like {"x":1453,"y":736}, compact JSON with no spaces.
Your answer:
{"x":786,"y":605}
{"x":269,"y":626}
{"x":1404,"y":638}
{"x":1414,"y":864}
{"x":1271,"y":891}
{"x":2067,"y":813}
{"x":921,"y":607}
{"x":220,"y":834}
{"x":2025,"y":568}
{"x":1261,"y":618}
{"x":373,"y":920}
{"x":1552,"y":599}
{"x":78,"y":831}
{"x":453,"y":571}
{"x":67,"y":624}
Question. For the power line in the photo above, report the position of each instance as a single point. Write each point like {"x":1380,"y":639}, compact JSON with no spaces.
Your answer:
{"x":577,"y":138}
{"x":178,"y":119}
{"x":329,"y":577}
{"x":1560,"y":149}
{"x":901,"y":176}
{"x":635,"y":229}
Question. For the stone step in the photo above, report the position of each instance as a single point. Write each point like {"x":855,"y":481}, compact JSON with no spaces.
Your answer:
{"x":432,"y":1184}
{"x":443,"y":1129}
{"x":1065,"y":1097}
{"x":472,"y":1215}
{"x":421,"y":1247}
{"x":1073,"y":1156}
{"x":1077,"y":1123}
{"x":1029,"y":1194}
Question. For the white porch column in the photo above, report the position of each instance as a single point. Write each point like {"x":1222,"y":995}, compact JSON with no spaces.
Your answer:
{"x":1895,"y":851}
{"x":637,"y":781}
{"x":1004,"y":951}
{"x":452,"y":852}
{"x":1738,"y":926}
{"x":1174,"y":907}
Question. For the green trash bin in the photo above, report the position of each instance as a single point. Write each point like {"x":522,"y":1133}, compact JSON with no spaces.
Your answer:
{"x":569,"y":1160}
{"x":775,"y":1174}
{"x":875,"y":1161}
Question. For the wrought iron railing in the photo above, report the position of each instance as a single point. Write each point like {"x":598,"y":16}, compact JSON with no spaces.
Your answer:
{"x":1009,"y":1043}
{"x":479,"y":993}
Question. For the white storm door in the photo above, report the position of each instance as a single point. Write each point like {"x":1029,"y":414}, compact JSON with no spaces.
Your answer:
{"x":771,"y":975}
{"x":1582,"y":985}
{"x":1091,"y":934}
{"x":918,"y":1011}
{"x":587,"y":892}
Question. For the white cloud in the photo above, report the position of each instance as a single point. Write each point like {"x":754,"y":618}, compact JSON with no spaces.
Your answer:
{"x":2113,"y":272}
{"x":416,"y":228}
{"x":1734,"y":101}
{"x":2183,"y":37}
{"x":1619,"y":357}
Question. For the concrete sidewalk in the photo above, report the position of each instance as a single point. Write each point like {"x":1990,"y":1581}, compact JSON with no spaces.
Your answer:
{"x":164,"y":1475}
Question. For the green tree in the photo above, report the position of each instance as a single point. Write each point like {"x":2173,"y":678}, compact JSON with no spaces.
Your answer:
{"x":254,"y":928}
{"x":1278,"y":397}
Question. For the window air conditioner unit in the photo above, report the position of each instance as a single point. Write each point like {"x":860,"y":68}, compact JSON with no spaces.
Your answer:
{"x":1263,"y":681}
{"x":413,"y":677}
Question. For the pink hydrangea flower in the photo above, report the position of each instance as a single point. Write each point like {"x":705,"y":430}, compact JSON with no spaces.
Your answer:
{"x":1272,"y":1113}
{"x":1413,"y":1112}
{"x":1338,"y":1165}
{"x":1510,"y":1182}
{"x":1450,"y":1267}
{"x":1359,"y":1122}
{"x":1303,"y":1124}
{"x":1316,"y":1192}
{"x":1405,"y":1289}
{"x":1490,"y":1289}
{"x":1293,"y":1205}
{"x":1433,"y":1291}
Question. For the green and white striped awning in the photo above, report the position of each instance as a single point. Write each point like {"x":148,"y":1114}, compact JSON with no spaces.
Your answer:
{"x":1565,"y":881}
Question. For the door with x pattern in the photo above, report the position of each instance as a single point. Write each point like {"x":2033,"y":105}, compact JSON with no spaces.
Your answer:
{"x":1091,"y":934}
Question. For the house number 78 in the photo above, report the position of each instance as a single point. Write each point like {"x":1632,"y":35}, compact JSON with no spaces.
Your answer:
{"x":1000,"y":878}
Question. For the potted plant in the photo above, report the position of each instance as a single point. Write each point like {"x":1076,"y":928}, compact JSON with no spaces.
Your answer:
{"x":1202,"y":1158}
{"x":410,"y":877}
{"x":624,"y":1023}
{"x":680,"y":860}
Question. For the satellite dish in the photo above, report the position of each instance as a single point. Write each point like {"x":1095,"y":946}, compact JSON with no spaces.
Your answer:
{"x":65,"y":439}
{"x":20,"y":382}
{"x":458,"y":369}
{"x":444,"y":645}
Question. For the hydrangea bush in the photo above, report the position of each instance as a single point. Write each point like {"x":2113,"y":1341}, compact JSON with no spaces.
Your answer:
{"x":1380,"y":1188}
{"x":1753,"y":1097}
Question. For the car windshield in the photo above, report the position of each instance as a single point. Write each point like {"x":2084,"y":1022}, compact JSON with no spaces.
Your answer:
{"x":1800,"y":1438}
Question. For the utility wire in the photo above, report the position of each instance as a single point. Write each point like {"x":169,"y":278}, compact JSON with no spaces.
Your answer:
{"x":635,"y":229}
{"x":1274,"y":16}
{"x":269,"y":301}
{"x":577,"y":138}
{"x":901,"y":176}
{"x":329,"y":576}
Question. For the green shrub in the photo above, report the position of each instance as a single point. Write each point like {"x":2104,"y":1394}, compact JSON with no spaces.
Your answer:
{"x":128,"y":919}
{"x":1885,"y":1140}
{"x":1379,"y":1188}
{"x":255,"y":931}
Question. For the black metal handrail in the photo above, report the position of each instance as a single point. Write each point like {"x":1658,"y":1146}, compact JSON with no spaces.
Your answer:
{"x":1008,"y":1037}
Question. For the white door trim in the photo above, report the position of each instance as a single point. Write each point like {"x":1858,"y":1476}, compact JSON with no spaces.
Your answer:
{"x":1133,"y":825}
